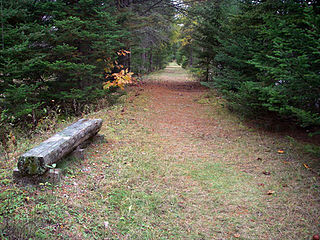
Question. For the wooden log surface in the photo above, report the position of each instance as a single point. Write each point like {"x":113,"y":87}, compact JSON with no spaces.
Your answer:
{"x":37,"y":160}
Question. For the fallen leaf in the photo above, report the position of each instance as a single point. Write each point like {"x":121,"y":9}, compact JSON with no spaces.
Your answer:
{"x":106,"y":224}
{"x":316,"y":237}
{"x":270,"y":192}
{"x":236,"y":235}
{"x":306,"y":166}
{"x":130,"y":208}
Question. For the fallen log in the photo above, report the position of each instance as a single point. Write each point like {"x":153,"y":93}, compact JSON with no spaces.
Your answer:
{"x":38,"y":160}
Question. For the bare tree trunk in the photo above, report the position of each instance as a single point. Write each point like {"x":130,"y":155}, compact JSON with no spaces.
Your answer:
{"x":123,"y":3}
{"x":2,"y":27}
{"x":143,"y":60}
{"x":150,"y":61}
{"x":129,"y":59}
{"x":207,"y":72}
{"x":191,"y":57}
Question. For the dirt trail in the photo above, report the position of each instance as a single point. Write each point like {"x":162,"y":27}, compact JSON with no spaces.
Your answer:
{"x":175,"y":114}
{"x":218,"y":179}
{"x":176,"y":164}
{"x":182,"y":125}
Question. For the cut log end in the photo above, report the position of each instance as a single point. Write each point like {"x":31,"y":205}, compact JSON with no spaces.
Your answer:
{"x":31,"y":165}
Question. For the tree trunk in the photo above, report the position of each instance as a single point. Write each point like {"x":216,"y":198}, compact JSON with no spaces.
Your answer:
{"x":207,"y":72}
{"x":143,"y":61}
{"x":191,"y":57}
{"x":150,"y":61}
{"x":129,"y":59}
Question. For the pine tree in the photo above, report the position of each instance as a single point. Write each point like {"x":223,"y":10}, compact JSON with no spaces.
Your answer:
{"x":55,"y":51}
{"x":263,"y":56}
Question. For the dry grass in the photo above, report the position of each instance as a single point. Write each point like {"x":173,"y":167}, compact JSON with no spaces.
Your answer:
{"x":176,"y":164}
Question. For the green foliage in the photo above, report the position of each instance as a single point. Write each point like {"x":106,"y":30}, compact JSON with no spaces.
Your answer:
{"x":50,"y":55}
{"x":57,"y":54}
{"x":21,"y":102}
{"x":263,"y":56}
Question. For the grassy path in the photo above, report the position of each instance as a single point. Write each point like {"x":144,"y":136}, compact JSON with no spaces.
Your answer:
{"x":177,"y":165}
{"x":183,"y":167}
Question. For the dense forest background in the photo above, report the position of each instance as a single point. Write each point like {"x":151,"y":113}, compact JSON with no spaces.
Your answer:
{"x":55,"y":56}
{"x":263,"y":56}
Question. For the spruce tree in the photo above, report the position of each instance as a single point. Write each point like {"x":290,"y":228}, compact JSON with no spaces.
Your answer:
{"x":55,"y":52}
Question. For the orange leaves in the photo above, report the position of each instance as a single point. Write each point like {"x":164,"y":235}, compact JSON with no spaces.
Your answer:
{"x":109,"y":65}
{"x":123,"y":52}
{"x":121,"y":79}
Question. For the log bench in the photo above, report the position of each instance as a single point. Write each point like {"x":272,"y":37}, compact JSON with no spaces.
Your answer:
{"x":39,"y":159}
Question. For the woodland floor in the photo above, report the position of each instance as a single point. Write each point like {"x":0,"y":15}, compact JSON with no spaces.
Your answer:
{"x":176,"y":164}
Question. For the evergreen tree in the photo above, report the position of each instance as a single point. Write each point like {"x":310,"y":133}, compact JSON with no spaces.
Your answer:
{"x":262,"y":55}
{"x":54,"y":51}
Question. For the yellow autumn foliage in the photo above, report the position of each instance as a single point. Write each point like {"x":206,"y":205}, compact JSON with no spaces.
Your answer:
{"x":121,"y":79}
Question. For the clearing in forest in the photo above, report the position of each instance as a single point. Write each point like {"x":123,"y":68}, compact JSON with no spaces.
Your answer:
{"x":176,"y":164}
